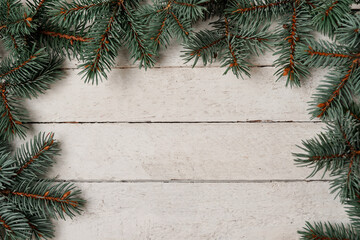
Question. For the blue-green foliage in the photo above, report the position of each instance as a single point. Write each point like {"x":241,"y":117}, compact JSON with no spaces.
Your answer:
{"x":28,"y":202}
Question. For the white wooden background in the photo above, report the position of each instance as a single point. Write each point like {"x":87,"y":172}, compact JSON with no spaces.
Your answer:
{"x":182,"y":153}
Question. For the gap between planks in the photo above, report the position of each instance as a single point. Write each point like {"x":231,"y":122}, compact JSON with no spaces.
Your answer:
{"x":194,"y":181}
{"x":176,"y":122}
{"x":175,"y":67}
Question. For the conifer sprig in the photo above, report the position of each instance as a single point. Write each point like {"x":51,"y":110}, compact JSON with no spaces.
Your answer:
{"x":292,"y":32}
{"x":327,"y":231}
{"x":329,"y":14}
{"x":229,"y":43}
{"x":27,"y":200}
{"x":26,"y":77}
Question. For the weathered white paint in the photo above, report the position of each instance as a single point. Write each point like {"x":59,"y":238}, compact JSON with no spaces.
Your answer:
{"x":162,"y":211}
{"x":246,"y":151}
{"x":175,"y":94}
{"x":246,"y":184}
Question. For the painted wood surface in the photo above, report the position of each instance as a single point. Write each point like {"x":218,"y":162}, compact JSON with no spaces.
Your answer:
{"x":177,"y":152}
{"x":182,"y":153}
{"x":175,"y":95}
{"x":164,"y":211}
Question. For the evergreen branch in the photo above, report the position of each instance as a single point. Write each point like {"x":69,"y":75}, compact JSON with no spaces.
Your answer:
{"x":6,"y":168}
{"x":13,"y":26}
{"x":20,"y":66}
{"x":79,"y":12}
{"x":250,"y":38}
{"x":63,"y":199}
{"x":289,"y":71}
{"x":293,"y":32}
{"x":78,"y":7}
{"x":41,"y":227}
{"x":235,"y":62}
{"x":160,"y":31}
{"x":354,"y":115}
{"x":39,"y":159}
{"x":71,"y":38}
{"x":14,"y":41}
{"x":48,"y":72}
{"x":45,"y":198}
{"x":28,"y":203}
{"x":325,"y":105}
{"x":179,"y":23}
{"x":329,"y":157}
{"x":8,"y":8}
{"x":12,"y":121}
{"x":13,"y":222}
{"x":309,"y":2}
{"x":329,"y":15}
{"x":37,"y":6}
{"x":327,"y":231}
{"x":348,"y":34}
{"x":94,"y":65}
{"x":2,"y":221}
{"x":258,"y":7}
{"x":312,"y":52}
{"x":41,"y":2}
{"x":145,"y":56}
{"x":327,"y":11}
{"x":198,"y":51}
{"x":184,"y":4}
{"x":167,"y":19}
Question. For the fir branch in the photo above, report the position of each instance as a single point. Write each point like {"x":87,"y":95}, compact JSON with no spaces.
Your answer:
{"x":27,"y":202}
{"x":325,"y":54}
{"x":98,"y":61}
{"x":145,"y":56}
{"x":167,"y":19}
{"x":20,"y":66}
{"x":329,"y":54}
{"x":325,"y":105}
{"x":329,"y":15}
{"x":328,"y":10}
{"x":293,"y":32}
{"x":179,"y":23}
{"x":245,"y":11}
{"x":292,"y":39}
{"x":261,"y":7}
{"x":78,"y":12}
{"x":71,"y":38}
{"x":77,"y":8}
{"x":162,"y":26}
{"x":41,"y":2}
{"x":41,"y":227}
{"x":51,"y":199}
{"x":348,"y":33}
{"x":327,"y":231}
{"x":63,"y":199}
{"x":235,"y":63}
{"x":310,"y":2}
{"x":13,"y":222}
{"x":23,"y":25}
{"x":11,"y":116}
{"x":34,"y":158}
{"x":197,"y":52}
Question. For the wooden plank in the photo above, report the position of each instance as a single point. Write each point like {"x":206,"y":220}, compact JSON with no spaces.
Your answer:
{"x":173,"y":94}
{"x":106,"y":152}
{"x":132,"y":211}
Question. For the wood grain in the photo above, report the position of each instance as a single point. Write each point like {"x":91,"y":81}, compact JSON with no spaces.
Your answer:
{"x":118,"y":152}
{"x":175,"y":94}
{"x":135,"y":211}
